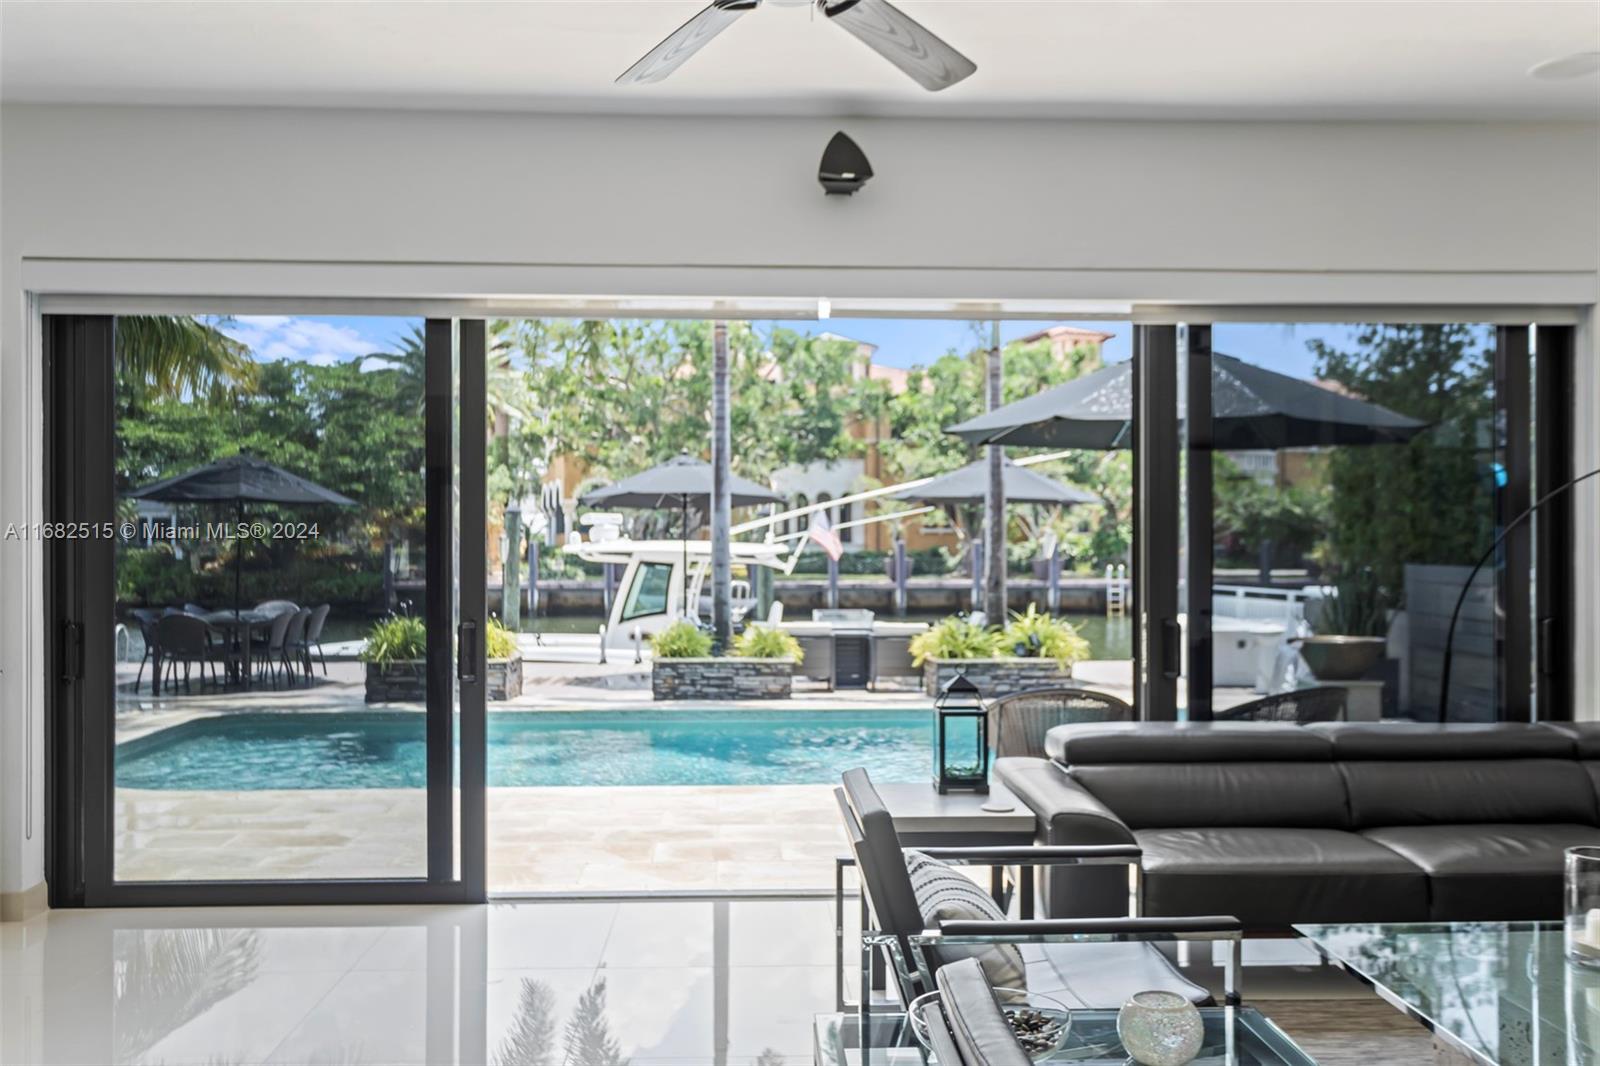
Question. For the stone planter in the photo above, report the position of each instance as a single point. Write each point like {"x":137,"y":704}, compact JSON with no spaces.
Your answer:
{"x":729,"y":678}
{"x":406,"y":680}
{"x":994,"y":677}
{"x":505,"y":678}
{"x":402,"y":680}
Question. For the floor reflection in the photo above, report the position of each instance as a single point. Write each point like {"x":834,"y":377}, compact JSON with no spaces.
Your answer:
{"x":727,"y":982}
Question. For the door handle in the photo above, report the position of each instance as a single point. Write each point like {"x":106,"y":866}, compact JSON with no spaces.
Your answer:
{"x":72,"y":651}
{"x":467,"y":651}
{"x":1171,"y":649}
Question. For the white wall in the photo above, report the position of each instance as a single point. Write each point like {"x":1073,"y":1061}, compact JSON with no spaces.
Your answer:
{"x":319,"y":203}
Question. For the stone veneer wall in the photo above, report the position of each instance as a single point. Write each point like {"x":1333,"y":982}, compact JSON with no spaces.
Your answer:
{"x":729,"y":678}
{"x":995,"y":677}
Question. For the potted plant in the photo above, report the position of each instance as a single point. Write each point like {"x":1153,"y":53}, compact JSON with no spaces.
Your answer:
{"x":1034,"y":650}
{"x":762,"y":666}
{"x":504,"y":661}
{"x":395,"y":654}
{"x":1349,"y":630}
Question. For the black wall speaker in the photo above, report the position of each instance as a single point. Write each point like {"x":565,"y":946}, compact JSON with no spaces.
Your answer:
{"x":844,"y":166}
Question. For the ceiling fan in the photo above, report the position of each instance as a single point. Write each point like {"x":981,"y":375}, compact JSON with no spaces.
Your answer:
{"x":878,"y":24}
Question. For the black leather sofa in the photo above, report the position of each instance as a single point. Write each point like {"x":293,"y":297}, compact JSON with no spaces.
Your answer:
{"x":1337,"y":822}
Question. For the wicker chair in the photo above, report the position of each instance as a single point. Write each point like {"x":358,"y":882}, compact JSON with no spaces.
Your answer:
{"x":1324,"y":704}
{"x":1018,"y":723}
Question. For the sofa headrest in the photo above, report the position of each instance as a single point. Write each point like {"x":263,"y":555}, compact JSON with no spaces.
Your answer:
{"x":1090,"y":743}
{"x":1586,"y":735}
{"x":1453,"y":740}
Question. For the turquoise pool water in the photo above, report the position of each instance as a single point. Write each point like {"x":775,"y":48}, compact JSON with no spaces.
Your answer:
{"x":385,"y":749}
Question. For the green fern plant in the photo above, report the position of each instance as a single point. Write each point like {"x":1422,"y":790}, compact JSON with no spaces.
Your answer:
{"x":397,"y":638}
{"x":681,"y":640}
{"x":954,"y":638}
{"x":765,"y":642}
{"x":1033,"y":635}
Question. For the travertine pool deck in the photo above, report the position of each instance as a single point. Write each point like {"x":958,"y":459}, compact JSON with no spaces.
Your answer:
{"x":609,"y":839}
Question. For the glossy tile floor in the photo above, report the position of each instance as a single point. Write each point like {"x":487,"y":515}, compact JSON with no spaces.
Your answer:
{"x":721,"y":983}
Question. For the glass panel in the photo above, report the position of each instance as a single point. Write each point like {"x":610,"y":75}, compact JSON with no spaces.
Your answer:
{"x":593,"y":783}
{"x":1355,"y":476}
{"x":648,"y":593}
{"x":269,"y":478}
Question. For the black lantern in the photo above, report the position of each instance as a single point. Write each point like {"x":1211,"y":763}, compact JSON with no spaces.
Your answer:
{"x":961,"y":738}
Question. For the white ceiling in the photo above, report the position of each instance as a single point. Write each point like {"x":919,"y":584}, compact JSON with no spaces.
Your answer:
{"x":1452,"y":59}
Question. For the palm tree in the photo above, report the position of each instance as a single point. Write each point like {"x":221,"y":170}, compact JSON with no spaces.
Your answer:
{"x":177,"y":356}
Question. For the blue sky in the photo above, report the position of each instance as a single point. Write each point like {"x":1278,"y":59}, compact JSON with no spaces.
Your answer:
{"x":901,"y":342}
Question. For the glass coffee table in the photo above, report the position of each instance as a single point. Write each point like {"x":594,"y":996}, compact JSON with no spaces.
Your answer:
{"x":1235,"y":1036}
{"x":1501,"y":993}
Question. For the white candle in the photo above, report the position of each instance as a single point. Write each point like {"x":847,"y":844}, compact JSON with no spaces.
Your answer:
{"x":1591,"y":928}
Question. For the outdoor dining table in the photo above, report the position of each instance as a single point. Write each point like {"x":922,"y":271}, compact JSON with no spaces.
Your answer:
{"x":239,"y":626}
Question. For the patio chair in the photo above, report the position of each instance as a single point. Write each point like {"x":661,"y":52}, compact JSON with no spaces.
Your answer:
{"x":272,"y":648}
{"x":966,"y":1025}
{"x":186,"y":640}
{"x":319,"y":617}
{"x":1302,"y":706}
{"x":293,"y":653}
{"x":1018,"y":722}
{"x":147,"y":617}
{"x":1084,"y":962}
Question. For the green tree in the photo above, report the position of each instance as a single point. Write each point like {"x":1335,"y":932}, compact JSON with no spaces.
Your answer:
{"x":1428,"y":500}
{"x":177,"y":355}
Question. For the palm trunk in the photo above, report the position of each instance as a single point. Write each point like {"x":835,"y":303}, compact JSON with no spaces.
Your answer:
{"x":994,"y":537}
{"x":721,"y":509}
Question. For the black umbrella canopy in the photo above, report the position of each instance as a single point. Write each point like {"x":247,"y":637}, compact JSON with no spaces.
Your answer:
{"x":240,"y":479}
{"x":1251,"y":407}
{"x":970,"y":484}
{"x":676,"y":483}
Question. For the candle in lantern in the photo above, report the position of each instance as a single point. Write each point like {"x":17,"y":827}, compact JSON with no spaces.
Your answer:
{"x":1591,"y":930}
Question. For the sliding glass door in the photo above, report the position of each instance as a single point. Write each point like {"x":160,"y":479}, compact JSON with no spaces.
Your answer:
{"x":1341,"y":482}
{"x":265,"y":658}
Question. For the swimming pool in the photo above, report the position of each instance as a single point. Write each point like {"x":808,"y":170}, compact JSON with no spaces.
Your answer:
{"x":385,"y":749}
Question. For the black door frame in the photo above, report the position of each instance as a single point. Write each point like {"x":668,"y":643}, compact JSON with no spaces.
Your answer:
{"x":1554,"y":416}
{"x":80,"y":706}
{"x":1157,"y":637}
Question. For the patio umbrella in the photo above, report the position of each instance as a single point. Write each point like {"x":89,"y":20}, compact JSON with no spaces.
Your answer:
{"x":970,"y":485}
{"x":1251,"y":407}
{"x":240,"y":479}
{"x":675,"y":483}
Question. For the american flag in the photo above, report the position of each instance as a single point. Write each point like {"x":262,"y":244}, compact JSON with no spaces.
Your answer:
{"x":821,"y":530}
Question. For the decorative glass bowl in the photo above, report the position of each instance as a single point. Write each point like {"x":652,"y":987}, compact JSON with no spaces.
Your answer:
{"x":1160,"y":1028}
{"x":1040,"y":1022}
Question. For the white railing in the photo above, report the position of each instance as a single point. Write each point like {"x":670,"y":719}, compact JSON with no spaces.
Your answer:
{"x":1266,"y":604}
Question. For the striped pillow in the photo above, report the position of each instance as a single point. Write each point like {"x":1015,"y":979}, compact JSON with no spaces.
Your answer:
{"x":945,"y":894}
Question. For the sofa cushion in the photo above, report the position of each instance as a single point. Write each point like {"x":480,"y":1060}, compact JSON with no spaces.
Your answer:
{"x":1454,"y":740}
{"x":1183,"y":742}
{"x":1272,"y":878}
{"x":945,"y":894}
{"x":1488,"y":872}
{"x":1461,"y":791}
{"x":1148,"y":796}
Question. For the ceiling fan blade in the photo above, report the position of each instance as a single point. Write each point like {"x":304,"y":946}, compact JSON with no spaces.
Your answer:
{"x":685,"y":41}
{"x":902,"y":40}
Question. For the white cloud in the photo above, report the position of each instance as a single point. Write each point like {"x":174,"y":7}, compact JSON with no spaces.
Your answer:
{"x":272,"y":338}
